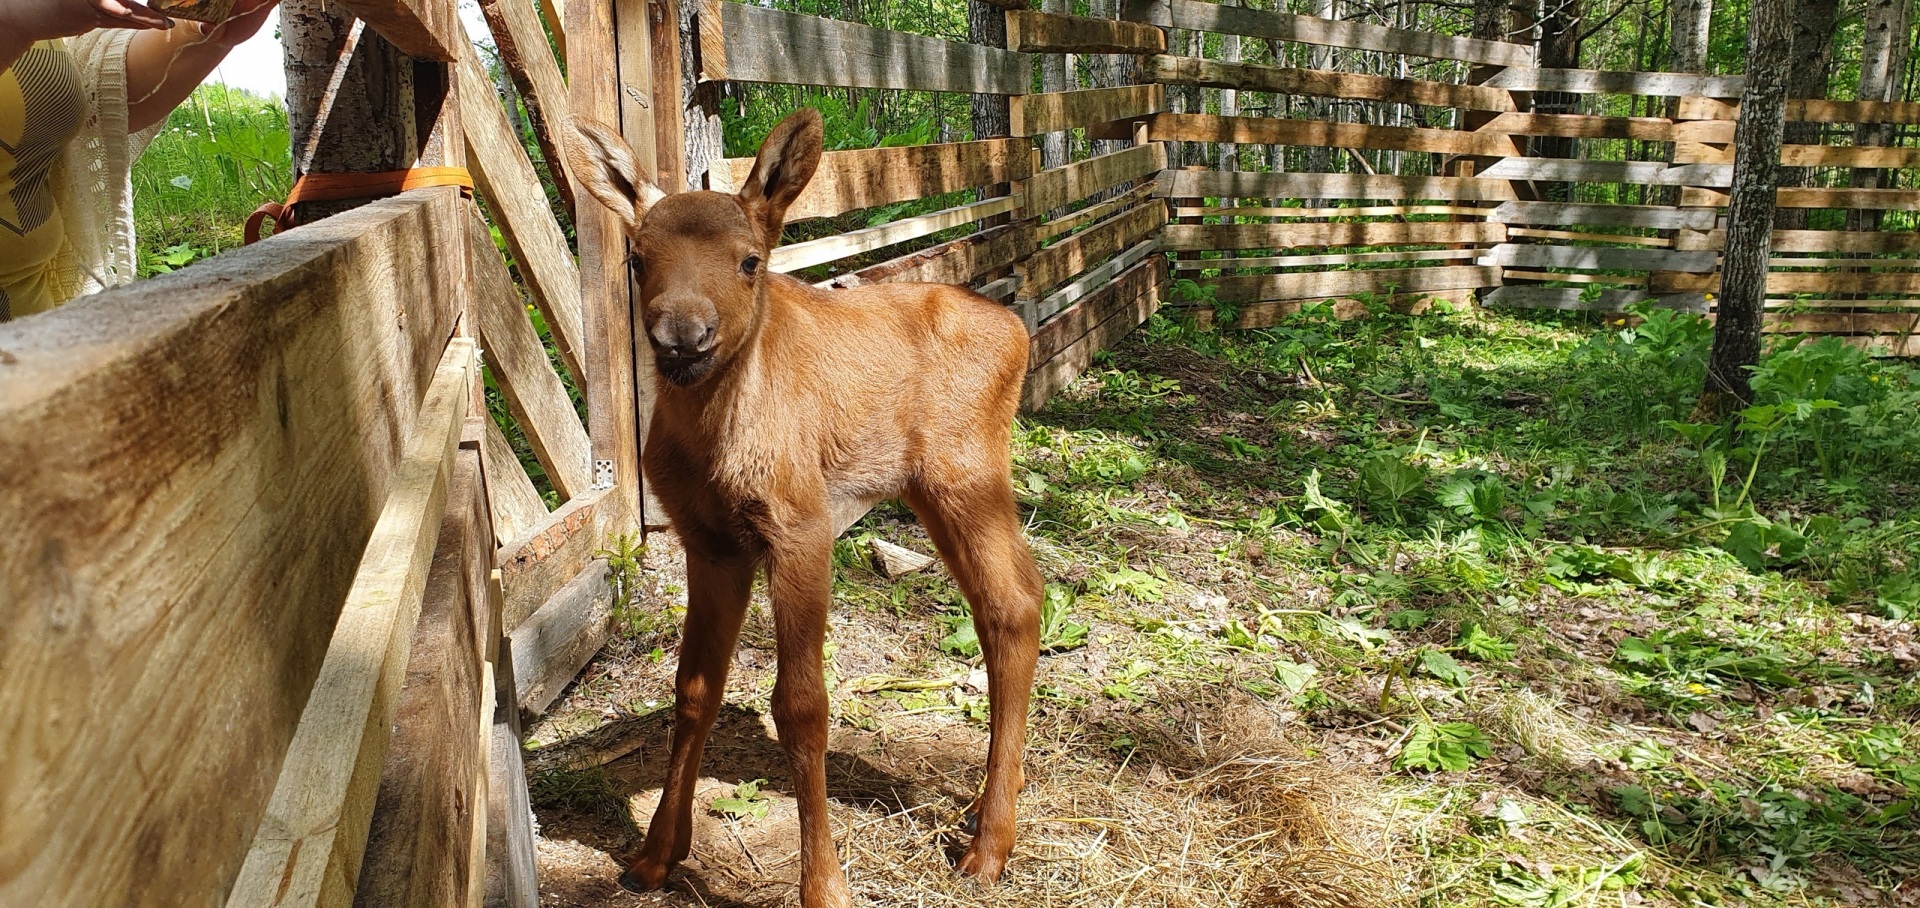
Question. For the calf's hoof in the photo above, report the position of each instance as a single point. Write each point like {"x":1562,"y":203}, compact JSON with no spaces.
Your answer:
{"x":983,"y":863}
{"x":639,"y":878}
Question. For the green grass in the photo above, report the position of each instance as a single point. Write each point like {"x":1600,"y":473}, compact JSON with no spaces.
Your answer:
{"x":219,"y":156}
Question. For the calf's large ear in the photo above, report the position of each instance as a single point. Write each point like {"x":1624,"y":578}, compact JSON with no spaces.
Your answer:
{"x":786,"y":162}
{"x":604,"y":165}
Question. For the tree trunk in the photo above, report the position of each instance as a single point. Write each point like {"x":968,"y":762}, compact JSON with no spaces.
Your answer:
{"x":1884,"y":48}
{"x":370,"y":122}
{"x":1053,"y":77}
{"x":1559,"y":48}
{"x":1229,"y":98}
{"x":987,"y":26}
{"x":1807,"y":77}
{"x":1105,"y":70}
{"x":706,"y":142}
{"x":1689,"y":21}
{"x":1743,"y":270}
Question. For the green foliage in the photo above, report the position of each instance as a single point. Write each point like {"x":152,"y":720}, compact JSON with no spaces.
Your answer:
{"x":624,"y":552}
{"x":1443,"y":747}
{"x":1482,"y":645}
{"x":747,"y":803}
{"x":1058,"y":632}
{"x":218,"y":156}
{"x":1440,"y":665}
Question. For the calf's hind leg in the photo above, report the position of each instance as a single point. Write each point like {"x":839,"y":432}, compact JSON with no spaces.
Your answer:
{"x":975,"y":524}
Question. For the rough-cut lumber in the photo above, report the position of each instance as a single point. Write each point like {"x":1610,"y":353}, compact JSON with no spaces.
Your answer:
{"x":1574,"y":298}
{"x":1652,"y":173}
{"x":510,"y":858}
{"x":505,"y":178}
{"x":1317,"y":261}
{"x":537,"y":566}
{"x":1815,"y":241}
{"x":833,"y":248}
{"x":1356,"y":211}
{"x":554,"y":643}
{"x":1843,"y":282}
{"x":898,"y":561}
{"x":420,"y":846}
{"x":425,"y":29}
{"x":956,"y":262}
{"x":1036,"y":32}
{"x":1844,"y":323}
{"x":1209,"y":237}
{"x":1559,"y":213}
{"x":1046,"y":268}
{"x":1807,"y":155}
{"x":1178,"y":127}
{"x":770,"y":45}
{"x":1654,"y":241}
{"x":1043,"y":382}
{"x":1806,"y":197}
{"x":1267,"y":313}
{"x":849,"y":180}
{"x":534,"y":394}
{"x":1595,"y":82}
{"x":1583,"y":126}
{"x":1510,"y":276}
{"x":1322,"y":83}
{"x":308,"y":847}
{"x":511,"y":496}
{"x":1810,"y":111}
{"x":1035,"y":311}
{"x":1051,"y":189}
{"x":1712,"y":132}
{"x":1202,"y":16}
{"x":1184,"y":184}
{"x":536,"y":75}
{"x":1055,"y":111}
{"x":1072,"y":323}
{"x":192,"y":465}
{"x":1093,"y":213}
{"x":1602,"y":258}
{"x":1320,"y":285}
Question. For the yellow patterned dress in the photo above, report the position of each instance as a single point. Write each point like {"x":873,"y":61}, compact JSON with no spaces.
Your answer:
{"x":43,"y":104}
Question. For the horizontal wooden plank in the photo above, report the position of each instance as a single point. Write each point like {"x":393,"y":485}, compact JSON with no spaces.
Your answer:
{"x":1846,"y":156}
{"x":1182,"y":184}
{"x":1050,"y":189}
{"x":955,"y":262}
{"x":1356,"y":211}
{"x":1315,"y":261}
{"x":1558,"y":213}
{"x":193,"y":464}
{"x":1037,"y":32}
{"x":868,"y":177}
{"x":1048,"y":267}
{"x":309,"y":844}
{"x":1813,"y":197}
{"x":1516,"y":277}
{"x":1844,"y":323}
{"x":1035,"y":311}
{"x":1207,"y":237}
{"x":1602,"y":258}
{"x":1808,"y":261}
{"x":1791,"y":282}
{"x":1907,"y":346}
{"x":1809,"y":110}
{"x":556,"y":641}
{"x":1059,"y":110}
{"x":1322,"y":83}
{"x":1574,"y":298}
{"x":1323,"y":284}
{"x":1070,"y":324}
{"x":770,"y":45}
{"x":1815,"y":241}
{"x":1597,"y":82}
{"x":1653,"y":241}
{"x":833,"y":248}
{"x":1718,"y":132}
{"x":1056,"y":373}
{"x":1283,"y":26}
{"x":1092,"y":213}
{"x":1581,"y":126}
{"x":1267,"y":313}
{"x":1653,"y":173}
{"x":535,"y":568}
{"x":1319,"y":133}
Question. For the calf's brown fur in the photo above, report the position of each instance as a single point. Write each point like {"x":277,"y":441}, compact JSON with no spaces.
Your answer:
{"x":782,"y":406}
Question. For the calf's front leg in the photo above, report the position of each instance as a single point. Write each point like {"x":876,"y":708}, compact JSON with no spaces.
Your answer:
{"x":800,"y":583}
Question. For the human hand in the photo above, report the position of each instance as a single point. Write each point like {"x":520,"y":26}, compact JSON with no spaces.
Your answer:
{"x":41,"y":20}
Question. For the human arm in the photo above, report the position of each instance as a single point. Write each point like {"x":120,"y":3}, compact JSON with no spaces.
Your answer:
{"x":164,"y":67}
{"x":23,"y":22}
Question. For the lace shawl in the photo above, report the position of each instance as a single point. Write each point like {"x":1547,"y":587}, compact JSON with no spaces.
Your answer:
{"x":92,"y":182}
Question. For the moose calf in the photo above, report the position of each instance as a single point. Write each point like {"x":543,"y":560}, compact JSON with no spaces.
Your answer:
{"x":781,"y":405}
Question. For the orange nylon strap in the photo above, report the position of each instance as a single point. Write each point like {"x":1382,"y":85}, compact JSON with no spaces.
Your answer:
{"x":330,"y":187}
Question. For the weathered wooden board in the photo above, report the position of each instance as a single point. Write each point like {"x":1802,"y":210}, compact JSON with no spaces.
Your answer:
{"x":524,"y":53}
{"x":171,"y":449}
{"x":1713,"y":132}
{"x":1844,"y":323}
{"x":1044,"y":382}
{"x":1843,"y":282}
{"x":1596,"y":82}
{"x":1322,"y":83}
{"x":506,"y":179}
{"x":1047,"y":268}
{"x":1573,"y":298}
{"x":511,"y":869}
{"x":1055,"y":111}
{"x":957,"y":262}
{"x":1814,"y":241}
{"x":1207,"y":237}
{"x":308,"y":847}
{"x":511,"y":496}
{"x":423,"y":29}
{"x":420,"y":845}
{"x":1184,"y":184}
{"x":1908,"y":346}
{"x":555,"y":642}
{"x":1558,"y":213}
{"x":535,"y":568}
{"x":1602,"y":258}
{"x":1037,"y":32}
{"x":1318,"y":285}
{"x":1267,"y":313}
{"x":1050,"y":189}
{"x":1653,"y":173}
{"x":1808,"y":110}
{"x":770,"y":45}
{"x":1035,"y":311}
{"x":1276,"y":131}
{"x":1093,"y":213}
{"x":1319,"y":261}
{"x":1624,"y":239}
{"x":534,"y":393}
{"x":850,"y":180}
{"x":1511,"y":276}
{"x":794,"y":257}
{"x":1282,"y":26}
{"x":1806,"y":197}
{"x":1353,"y":211}
{"x":1073,"y":323}
{"x":1583,"y":126}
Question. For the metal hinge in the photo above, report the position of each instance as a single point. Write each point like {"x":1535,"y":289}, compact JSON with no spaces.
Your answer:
{"x":603,"y":474}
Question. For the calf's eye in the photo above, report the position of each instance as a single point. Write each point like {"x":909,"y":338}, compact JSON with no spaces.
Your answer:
{"x":750,"y":265}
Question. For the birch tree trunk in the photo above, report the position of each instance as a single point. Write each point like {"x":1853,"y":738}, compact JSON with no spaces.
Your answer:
{"x":1229,"y":98}
{"x":1743,"y":270}
{"x":1053,"y":77}
{"x":1807,"y":77}
{"x":1885,"y":44}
